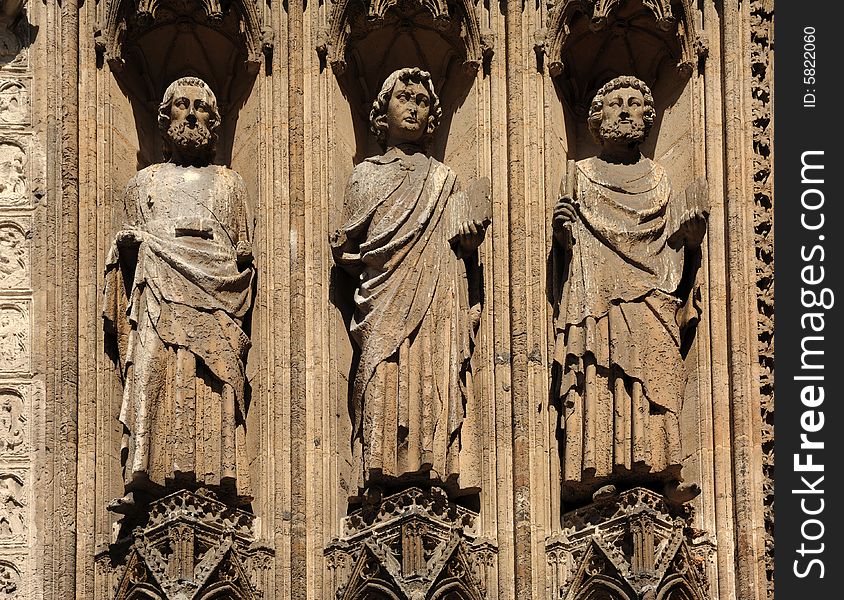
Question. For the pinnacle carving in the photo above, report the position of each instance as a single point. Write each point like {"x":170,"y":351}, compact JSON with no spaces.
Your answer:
{"x":190,"y":545}
{"x":634,"y":545}
{"x":412,"y":545}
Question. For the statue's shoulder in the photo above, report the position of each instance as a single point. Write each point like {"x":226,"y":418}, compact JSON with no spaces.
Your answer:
{"x":143,"y":177}
{"x":229,"y":175}
{"x":373,"y":168}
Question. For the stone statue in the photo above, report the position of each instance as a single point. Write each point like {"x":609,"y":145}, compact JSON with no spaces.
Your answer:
{"x":179,"y":281}
{"x":623,"y":306}
{"x":410,"y":238}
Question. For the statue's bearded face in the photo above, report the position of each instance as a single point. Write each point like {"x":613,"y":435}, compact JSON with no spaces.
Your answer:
{"x":407,"y":113}
{"x":623,"y":116}
{"x":190,"y":115}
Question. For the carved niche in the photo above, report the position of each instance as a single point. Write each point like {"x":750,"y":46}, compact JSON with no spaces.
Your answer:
{"x":452,"y":21}
{"x":149,"y":43}
{"x":14,"y":254}
{"x":366,"y":41}
{"x":14,"y":35}
{"x":591,"y":41}
{"x":127,"y":21}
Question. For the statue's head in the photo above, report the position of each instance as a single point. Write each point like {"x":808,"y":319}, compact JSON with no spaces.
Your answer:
{"x":407,"y":110}
{"x":188,"y":119}
{"x":622,"y":111}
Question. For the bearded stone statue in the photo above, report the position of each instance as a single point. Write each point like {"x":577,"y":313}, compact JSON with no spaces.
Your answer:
{"x":410,"y":239}
{"x":179,"y":282}
{"x":623,"y":308}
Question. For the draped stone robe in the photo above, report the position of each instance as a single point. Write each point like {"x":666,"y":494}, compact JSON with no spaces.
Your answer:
{"x":619,"y":373}
{"x":176,"y":309}
{"x":413,"y":322}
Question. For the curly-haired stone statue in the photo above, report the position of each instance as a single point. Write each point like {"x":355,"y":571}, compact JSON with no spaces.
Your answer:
{"x":624,"y":306}
{"x":178,"y":286}
{"x":410,"y":238}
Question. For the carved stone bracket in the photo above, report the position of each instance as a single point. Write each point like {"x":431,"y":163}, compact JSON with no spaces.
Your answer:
{"x":631,"y":546}
{"x":192,"y":546}
{"x":413,"y":545}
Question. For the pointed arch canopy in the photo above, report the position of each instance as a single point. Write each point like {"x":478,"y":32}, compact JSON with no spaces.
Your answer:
{"x":588,"y":42}
{"x":127,"y":20}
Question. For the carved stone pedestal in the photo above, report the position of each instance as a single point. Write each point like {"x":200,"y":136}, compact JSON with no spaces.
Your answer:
{"x":633,"y":546}
{"x":414,"y":545}
{"x":192,"y":547}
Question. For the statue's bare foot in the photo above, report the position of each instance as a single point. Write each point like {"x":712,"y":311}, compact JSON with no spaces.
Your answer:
{"x":123,"y":505}
{"x":605,"y":491}
{"x":681,"y":492}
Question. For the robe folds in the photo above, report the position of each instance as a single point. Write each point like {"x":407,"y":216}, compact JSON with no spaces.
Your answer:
{"x":619,"y":373}
{"x":175,"y":303}
{"x":415,"y":318}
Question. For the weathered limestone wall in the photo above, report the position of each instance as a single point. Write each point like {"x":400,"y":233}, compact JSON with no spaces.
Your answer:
{"x":296,"y":132}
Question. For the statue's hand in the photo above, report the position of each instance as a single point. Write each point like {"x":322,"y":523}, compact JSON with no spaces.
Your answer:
{"x":564,"y":213}
{"x":243,"y":250}
{"x":693,"y":227}
{"x":131,"y":236}
{"x":470,"y":235}
{"x":337,"y":239}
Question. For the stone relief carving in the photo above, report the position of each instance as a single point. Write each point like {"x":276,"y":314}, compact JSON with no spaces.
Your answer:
{"x":624,"y":307}
{"x":179,"y":282}
{"x":14,"y":338}
{"x":14,"y":187}
{"x":14,"y":256}
{"x":14,"y":103}
{"x":13,"y":519}
{"x":410,"y":239}
{"x":12,"y":420}
{"x":10,"y":581}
